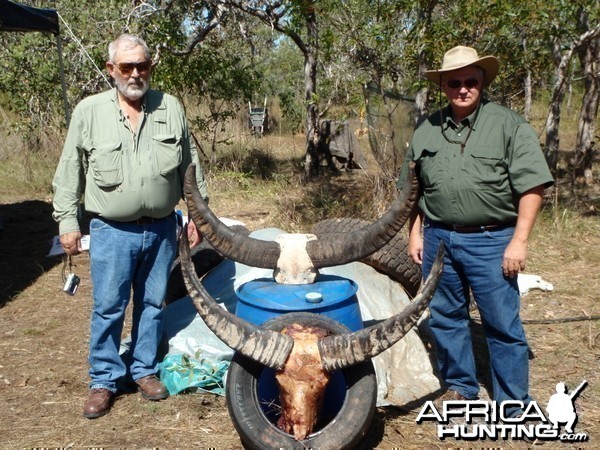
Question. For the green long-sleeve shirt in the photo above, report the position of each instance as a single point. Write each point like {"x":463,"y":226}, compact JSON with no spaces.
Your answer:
{"x":481,"y":184}
{"x":124,"y":175}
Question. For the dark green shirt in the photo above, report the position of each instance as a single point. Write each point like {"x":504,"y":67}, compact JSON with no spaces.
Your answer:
{"x":481,"y":183}
{"x":124,"y":175}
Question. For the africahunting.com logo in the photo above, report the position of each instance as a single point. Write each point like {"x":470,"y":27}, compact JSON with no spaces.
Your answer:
{"x":479,"y":420}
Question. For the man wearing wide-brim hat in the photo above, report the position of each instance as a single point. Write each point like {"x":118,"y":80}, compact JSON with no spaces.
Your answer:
{"x":482,"y":175}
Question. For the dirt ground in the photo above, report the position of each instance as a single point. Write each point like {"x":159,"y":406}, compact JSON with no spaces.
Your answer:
{"x":43,"y":357}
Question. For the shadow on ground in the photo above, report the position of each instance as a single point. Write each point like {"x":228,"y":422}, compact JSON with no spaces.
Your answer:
{"x":26,"y":233}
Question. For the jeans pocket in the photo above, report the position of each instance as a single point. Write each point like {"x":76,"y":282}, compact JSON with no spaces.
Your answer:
{"x":501,"y":233}
{"x":97,"y":224}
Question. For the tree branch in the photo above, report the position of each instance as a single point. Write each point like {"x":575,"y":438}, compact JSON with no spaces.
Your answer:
{"x":272,"y":15}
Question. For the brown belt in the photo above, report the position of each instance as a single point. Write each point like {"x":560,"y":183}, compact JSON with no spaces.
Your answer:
{"x":478,"y":228}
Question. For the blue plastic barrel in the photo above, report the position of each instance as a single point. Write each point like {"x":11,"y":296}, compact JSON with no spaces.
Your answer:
{"x":333,"y":296}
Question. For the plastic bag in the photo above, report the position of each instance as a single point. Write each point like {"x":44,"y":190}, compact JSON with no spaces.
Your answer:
{"x":181,"y":372}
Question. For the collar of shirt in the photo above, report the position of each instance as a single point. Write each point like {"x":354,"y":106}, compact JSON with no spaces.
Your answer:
{"x":468,"y":121}
{"x":115,"y":100}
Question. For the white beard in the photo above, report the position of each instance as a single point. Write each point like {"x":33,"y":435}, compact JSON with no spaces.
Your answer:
{"x":133,"y":91}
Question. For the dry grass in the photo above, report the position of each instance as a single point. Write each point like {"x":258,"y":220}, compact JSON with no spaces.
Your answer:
{"x":44,"y":333}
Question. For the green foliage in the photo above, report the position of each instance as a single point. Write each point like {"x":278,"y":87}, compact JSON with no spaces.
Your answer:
{"x":222,"y":72}
{"x":29,"y":82}
{"x":244,"y":59}
{"x":219,"y":80}
{"x":292,"y":111}
{"x":521,"y":34}
{"x":280,"y":66}
{"x":29,"y":62}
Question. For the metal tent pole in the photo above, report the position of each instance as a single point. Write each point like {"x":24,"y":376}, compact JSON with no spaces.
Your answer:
{"x":62,"y":80}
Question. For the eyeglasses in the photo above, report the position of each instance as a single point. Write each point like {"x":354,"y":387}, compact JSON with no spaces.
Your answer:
{"x":469,"y":83}
{"x":127,"y":68}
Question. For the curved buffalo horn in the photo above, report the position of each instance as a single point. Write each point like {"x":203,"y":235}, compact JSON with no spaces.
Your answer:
{"x":345,"y":350}
{"x":236,"y":246}
{"x":334,"y":250}
{"x":359,"y":244}
{"x":259,"y":344}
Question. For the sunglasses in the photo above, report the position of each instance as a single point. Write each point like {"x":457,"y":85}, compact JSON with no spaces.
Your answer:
{"x":469,"y":83}
{"x":127,"y":68}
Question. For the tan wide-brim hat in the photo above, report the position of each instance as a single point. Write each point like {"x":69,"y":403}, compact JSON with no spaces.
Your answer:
{"x":459,"y":57}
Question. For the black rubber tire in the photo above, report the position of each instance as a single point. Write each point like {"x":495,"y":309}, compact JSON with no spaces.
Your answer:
{"x":392,"y":259}
{"x":204,"y":257}
{"x":343,"y":431}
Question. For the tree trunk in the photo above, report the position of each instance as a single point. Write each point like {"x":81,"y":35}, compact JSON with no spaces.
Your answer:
{"x":311,"y":161}
{"x":587,"y":38}
{"x":558,"y":93}
{"x":527,"y":87}
{"x":528,"y":92}
{"x":421,"y":97}
{"x":589,"y":57}
{"x":424,"y":12}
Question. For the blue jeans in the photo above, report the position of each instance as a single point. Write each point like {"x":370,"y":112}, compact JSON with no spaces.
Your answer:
{"x":474,"y":261}
{"x":128,"y":258}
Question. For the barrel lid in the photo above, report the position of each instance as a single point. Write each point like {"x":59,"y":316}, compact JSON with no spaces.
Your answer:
{"x":313,"y":297}
{"x":267,"y":294}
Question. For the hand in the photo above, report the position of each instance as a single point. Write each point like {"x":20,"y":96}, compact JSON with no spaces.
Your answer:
{"x":71,"y":243}
{"x":194,"y":236}
{"x":415,"y":248}
{"x":515,"y":256}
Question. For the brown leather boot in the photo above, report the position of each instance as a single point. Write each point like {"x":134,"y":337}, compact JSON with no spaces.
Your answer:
{"x":98,"y":403}
{"x":151,"y":388}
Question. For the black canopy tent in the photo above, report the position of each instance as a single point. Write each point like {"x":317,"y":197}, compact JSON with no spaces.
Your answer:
{"x":18,"y":17}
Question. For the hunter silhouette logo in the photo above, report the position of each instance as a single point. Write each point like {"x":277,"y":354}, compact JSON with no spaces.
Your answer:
{"x":479,"y":420}
{"x":561,"y":406}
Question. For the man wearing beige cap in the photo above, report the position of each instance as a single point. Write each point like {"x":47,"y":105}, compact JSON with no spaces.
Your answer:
{"x":482,"y":176}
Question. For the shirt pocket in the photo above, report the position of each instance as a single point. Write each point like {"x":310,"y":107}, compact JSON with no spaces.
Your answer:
{"x":167,"y":153}
{"x":106,"y":163}
{"x":486,"y":167}
{"x":432,"y":167}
